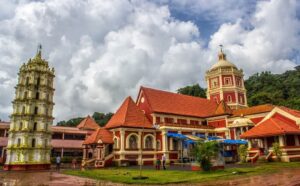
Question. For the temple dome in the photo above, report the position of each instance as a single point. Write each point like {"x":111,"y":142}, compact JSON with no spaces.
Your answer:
{"x":222,"y":62}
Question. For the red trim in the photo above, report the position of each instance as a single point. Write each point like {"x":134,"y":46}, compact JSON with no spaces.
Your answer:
{"x":21,"y":167}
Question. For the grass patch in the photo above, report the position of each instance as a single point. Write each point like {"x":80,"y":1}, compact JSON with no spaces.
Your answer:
{"x":125,"y":175}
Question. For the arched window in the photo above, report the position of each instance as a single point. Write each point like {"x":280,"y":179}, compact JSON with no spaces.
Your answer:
{"x":148,"y":142}
{"x":37,"y":95}
{"x":158,"y":147}
{"x":27,"y":81}
{"x":23,"y":110}
{"x":36,"y":110}
{"x":25,"y":95}
{"x":133,"y":142}
{"x":34,"y":126}
{"x":21,"y":126}
{"x":229,"y":99}
{"x":33,"y":142}
{"x":46,"y":143}
{"x":116,"y":146}
{"x":19,"y":142}
{"x":38,"y":81}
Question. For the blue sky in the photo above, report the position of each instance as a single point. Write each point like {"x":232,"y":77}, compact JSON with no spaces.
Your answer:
{"x":103,"y":51}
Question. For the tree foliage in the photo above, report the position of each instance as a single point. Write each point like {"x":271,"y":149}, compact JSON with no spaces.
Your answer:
{"x":193,"y":90}
{"x":204,"y":152}
{"x":100,"y":118}
{"x":277,"y":150}
{"x":278,"y":89}
{"x":242,"y":152}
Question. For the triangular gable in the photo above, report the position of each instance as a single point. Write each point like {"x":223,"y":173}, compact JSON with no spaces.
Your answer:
{"x":286,"y":112}
{"x":129,"y":115}
{"x":88,"y":123}
{"x":223,"y":109}
{"x":101,"y":135}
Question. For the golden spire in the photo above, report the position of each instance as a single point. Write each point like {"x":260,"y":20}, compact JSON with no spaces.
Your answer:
{"x":39,"y":51}
{"x":221,"y":55}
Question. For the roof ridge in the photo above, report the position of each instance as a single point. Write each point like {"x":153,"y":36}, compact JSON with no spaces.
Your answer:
{"x":126,"y":107}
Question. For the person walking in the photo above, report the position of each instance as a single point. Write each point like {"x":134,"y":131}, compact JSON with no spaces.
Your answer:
{"x":58,"y":161}
{"x":163,"y":159}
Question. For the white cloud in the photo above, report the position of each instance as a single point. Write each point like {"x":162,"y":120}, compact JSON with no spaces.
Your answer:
{"x":103,"y":51}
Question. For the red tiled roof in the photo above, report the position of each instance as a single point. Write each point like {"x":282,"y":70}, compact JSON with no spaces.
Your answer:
{"x":253,"y":110}
{"x":100,"y":134}
{"x":129,"y":115}
{"x":71,"y":144}
{"x":72,"y":130}
{"x":88,"y":123}
{"x":172,"y":103}
{"x":291,"y":111}
{"x":271,"y":127}
{"x":223,"y":108}
{"x":4,"y":125}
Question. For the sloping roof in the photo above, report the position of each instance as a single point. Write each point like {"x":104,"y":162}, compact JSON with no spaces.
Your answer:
{"x":223,"y":108}
{"x":253,"y":110}
{"x":3,"y":141}
{"x":295,"y":113}
{"x":71,"y":144}
{"x":129,"y":115}
{"x":100,"y":134}
{"x":172,"y":103}
{"x":271,"y":127}
{"x":72,"y":130}
{"x":88,"y":123}
{"x":4,"y":125}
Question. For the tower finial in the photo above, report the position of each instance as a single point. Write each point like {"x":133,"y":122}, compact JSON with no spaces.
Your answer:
{"x":222,"y":56}
{"x":39,"y":50}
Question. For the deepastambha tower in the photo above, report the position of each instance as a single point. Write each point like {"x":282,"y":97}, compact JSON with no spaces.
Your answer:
{"x":29,"y":135}
{"x":225,"y":82}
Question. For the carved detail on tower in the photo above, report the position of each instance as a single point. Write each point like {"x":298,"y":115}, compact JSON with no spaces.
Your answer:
{"x":225,"y":82}
{"x":29,"y":135}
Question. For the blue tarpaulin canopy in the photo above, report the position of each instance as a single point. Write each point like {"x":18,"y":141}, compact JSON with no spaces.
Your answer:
{"x":176,"y":135}
{"x":234,"y":142}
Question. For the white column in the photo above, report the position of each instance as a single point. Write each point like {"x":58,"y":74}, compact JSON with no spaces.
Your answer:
{"x":165,"y":144}
{"x":249,"y":144}
{"x":62,"y":152}
{"x":296,"y":140}
{"x":122,"y":141}
{"x":281,"y":141}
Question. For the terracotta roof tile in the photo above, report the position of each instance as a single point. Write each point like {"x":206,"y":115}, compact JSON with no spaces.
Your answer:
{"x":129,"y":115}
{"x":223,"y":108}
{"x":100,"y":134}
{"x":59,"y":143}
{"x":291,"y":111}
{"x":253,"y":110}
{"x":173,"y":103}
{"x":271,"y":127}
{"x":88,"y":123}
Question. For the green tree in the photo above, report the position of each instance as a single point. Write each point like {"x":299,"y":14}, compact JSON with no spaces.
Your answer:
{"x":204,"y":152}
{"x":193,"y":90}
{"x":242,"y":152}
{"x":277,"y":151}
{"x":102,"y":118}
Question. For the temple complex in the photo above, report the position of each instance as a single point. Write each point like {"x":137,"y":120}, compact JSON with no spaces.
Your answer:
{"x":154,"y":124}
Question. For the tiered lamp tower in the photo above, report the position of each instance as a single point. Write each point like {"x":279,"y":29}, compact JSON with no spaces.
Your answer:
{"x":29,"y":135}
{"x":225,"y":82}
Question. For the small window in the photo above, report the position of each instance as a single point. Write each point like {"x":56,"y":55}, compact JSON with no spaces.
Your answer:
{"x":33,"y":142}
{"x":25,"y":95}
{"x":21,"y":126}
{"x":23,"y":110}
{"x":169,"y":120}
{"x":27,"y":80}
{"x":46,"y":143}
{"x":19,"y":142}
{"x":229,"y":99}
{"x":35,"y":126}
{"x":36,"y":110}
{"x":194,"y":122}
{"x":46,"y":126}
{"x":37,"y":95}
{"x":157,"y":119}
{"x":115,"y":143}
{"x":38,"y":81}
{"x":133,"y":142}
{"x":181,"y":121}
{"x":241,"y":99}
{"x":148,"y":142}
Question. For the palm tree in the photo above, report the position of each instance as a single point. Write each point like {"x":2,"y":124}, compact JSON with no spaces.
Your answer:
{"x":204,"y":152}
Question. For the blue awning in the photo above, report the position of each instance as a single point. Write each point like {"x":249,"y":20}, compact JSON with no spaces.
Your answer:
{"x":234,"y":142}
{"x":176,"y":135}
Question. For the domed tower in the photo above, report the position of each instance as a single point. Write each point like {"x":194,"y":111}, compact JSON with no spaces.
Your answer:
{"x":225,"y":82}
{"x":29,"y":134}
